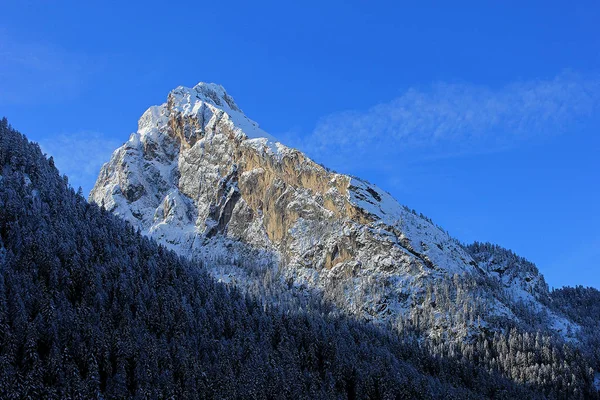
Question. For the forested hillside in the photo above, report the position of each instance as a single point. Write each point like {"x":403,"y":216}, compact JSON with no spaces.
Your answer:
{"x":89,"y":308}
{"x":582,"y":304}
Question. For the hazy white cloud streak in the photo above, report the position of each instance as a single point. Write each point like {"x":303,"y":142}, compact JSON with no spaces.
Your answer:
{"x":447,"y":119}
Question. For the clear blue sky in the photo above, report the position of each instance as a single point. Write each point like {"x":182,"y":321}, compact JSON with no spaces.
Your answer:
{"x":481,"y":115}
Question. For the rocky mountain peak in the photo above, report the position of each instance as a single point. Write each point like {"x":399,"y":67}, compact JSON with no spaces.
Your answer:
{"x":206,"y":100}
{"x":217,"y":94}
{"x":202,"y":178}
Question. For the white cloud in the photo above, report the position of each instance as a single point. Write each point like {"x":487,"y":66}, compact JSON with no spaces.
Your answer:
{"x":80,"y":156}
{"x":447,"y":119}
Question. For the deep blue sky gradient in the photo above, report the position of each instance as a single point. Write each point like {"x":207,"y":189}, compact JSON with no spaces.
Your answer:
{"x":75,"y":73}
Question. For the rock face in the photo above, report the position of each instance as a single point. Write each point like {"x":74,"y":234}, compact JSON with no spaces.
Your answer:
{"x":199,"y":176}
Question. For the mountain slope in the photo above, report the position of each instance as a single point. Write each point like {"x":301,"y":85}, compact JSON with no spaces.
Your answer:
{"x":206,"y":181}
{"x":91,"y":309}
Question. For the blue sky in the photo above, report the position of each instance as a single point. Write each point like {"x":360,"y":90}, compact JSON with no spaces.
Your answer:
{"x":481,"y":115}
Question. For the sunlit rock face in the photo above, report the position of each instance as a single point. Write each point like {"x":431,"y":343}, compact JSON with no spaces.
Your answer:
{"x":206,"y":181}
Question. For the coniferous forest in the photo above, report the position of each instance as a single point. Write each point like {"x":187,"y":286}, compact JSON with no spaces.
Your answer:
{"x":91,"y":309}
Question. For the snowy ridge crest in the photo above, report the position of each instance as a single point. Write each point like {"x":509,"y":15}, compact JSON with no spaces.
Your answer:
{"x":202,"y":178}
{"x":192,"y":101}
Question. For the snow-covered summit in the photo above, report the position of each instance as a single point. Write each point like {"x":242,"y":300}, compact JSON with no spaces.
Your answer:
{"x":195,"y":101}
{"x":217,"y":94}
{"x":199,"y":174}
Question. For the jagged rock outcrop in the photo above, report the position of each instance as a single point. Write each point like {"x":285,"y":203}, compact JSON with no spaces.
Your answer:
{"x":198,"y":175}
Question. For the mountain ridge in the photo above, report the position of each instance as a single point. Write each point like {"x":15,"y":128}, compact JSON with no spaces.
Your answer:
{"x":91,"y":309}
{"x":199,"y":169}
{"x":50,"y":234}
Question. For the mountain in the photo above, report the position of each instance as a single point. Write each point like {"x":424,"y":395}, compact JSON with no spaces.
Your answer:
{"x":204,"y":180}
{"x":89,"y":308}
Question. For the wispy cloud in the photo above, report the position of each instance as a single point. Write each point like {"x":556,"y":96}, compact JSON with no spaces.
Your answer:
{"x":80,"y":156}
{"x":448,"y":119}
{"x":39,"y":72}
